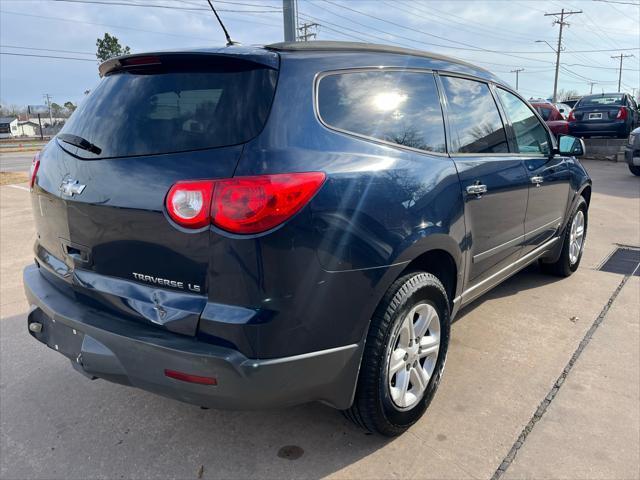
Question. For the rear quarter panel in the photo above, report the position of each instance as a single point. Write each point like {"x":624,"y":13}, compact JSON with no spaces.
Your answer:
{"x":325,"y":271}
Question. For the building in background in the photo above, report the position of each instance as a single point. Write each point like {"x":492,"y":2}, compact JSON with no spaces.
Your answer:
{"x":8,"y":127}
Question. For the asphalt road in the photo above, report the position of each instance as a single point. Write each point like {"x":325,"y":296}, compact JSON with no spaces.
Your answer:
{"x":16,"y":162}
{"x":556,"y":359}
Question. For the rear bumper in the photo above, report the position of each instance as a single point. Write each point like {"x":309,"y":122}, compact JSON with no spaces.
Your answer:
{"x":102,"y":345}
{"x":597,"y":128}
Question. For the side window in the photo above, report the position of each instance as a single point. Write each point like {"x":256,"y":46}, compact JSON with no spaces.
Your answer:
{"x":475,"y":122}
{"x":531,"y":136}
{"x":394,"y":106}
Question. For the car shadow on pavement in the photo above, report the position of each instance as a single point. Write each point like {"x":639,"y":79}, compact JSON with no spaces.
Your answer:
{"x":527,"y":279}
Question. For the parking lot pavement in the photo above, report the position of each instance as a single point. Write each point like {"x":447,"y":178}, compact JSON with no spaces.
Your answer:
{"x":16,"y":162}
{"x":506,"y":352}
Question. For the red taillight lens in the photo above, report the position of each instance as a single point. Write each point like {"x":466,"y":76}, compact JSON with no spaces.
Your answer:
{"x":257,"y":204}
{"x":140,"y":61}
{"x":187,"y":377}
{"x":571,"y":117}
{"x":242,"y":205}
{"x":189,"y":203}
{"x":622,"y":114}
{"x":33,"y":171}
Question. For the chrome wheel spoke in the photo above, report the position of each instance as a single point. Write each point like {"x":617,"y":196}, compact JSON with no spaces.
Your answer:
{"x":429,"y":346}
{"x":419,"y":379}
{"x":425,"y":315}
{"x":397,"y":361}
{"x":399,"y":391}
{"x":405,"y":335}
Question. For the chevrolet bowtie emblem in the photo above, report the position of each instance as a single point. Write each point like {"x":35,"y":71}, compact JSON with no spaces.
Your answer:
{"x":71,"y":187}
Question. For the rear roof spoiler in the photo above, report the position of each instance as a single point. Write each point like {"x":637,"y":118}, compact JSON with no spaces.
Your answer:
{"x":255,"y":55}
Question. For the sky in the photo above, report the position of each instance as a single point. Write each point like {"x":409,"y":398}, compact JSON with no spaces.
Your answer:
{"x":499,"y":35}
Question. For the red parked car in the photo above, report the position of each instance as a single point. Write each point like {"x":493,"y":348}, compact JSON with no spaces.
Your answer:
{"x":553,"y":117}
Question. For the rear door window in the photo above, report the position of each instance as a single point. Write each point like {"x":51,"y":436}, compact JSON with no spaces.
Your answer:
{"x":531,"y":135}
{"x":476,"y":126}
{"x":174,"y":109}
{"x":394,"y":106}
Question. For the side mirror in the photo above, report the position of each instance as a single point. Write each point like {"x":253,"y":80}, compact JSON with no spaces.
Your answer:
{"x":571,"y":146}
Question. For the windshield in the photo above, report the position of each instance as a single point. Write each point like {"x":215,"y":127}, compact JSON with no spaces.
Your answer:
{"x":600,"y":101}
{"x":144,"y":112}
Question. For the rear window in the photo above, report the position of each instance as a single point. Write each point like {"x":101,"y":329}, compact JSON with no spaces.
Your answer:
{"x":600,"y":101}
{"x":394,"y":106}
{"x":545,"y":113}
{"x":171,"y":109}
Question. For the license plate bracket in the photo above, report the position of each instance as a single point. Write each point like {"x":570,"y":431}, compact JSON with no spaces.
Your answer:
{"x":60,"y":337}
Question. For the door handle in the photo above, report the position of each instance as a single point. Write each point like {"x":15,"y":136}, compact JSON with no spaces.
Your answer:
{"x":537,"y":180}
{"x":477,"y":189}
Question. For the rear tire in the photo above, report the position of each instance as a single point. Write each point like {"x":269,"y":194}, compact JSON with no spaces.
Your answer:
{"x":404,"y":355}
{"x":572,"y":245}
{"x":635,"y":169}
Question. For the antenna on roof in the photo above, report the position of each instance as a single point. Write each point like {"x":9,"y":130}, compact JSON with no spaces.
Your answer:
{"x":226,"y":34}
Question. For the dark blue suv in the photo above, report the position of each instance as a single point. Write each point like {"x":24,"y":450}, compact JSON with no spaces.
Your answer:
{"x":259,"y":227}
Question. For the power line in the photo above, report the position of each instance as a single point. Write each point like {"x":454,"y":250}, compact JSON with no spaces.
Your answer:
{"x":47,"y":56}
{"x":157,"y":5}
{"x":46,"y":49}
{"x":620,"y":3}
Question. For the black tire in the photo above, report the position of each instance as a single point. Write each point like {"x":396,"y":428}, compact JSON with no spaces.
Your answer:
{"x":373,"y":409}
{"x":563,"y":267}
{"x":635,"y":169}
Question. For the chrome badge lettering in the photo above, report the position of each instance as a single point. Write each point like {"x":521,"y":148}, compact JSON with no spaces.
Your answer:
{"x":165,"y":282}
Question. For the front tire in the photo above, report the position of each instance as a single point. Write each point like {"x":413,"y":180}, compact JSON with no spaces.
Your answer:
{"x":404,"y":355}
{"x":635,"y":169}
{"x":573,"y":244}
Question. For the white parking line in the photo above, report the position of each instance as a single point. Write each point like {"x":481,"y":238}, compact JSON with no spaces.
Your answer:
{"x":20,"y":187}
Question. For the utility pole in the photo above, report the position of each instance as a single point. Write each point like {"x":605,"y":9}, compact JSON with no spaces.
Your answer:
{"x":306,"y":35}
{"x":47,"y":99}
{"x":517,"y":71}
{"x":289,"y":17}
{"x":621,"y":56}
{"x":591,"y":84}
{"x":562,"y":23}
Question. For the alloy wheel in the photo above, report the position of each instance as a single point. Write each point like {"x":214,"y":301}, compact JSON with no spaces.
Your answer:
{"x":414,"y":353}
{"x":576,"y":237}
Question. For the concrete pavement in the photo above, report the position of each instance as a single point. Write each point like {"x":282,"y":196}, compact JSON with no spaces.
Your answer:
{"x":506,"y":352}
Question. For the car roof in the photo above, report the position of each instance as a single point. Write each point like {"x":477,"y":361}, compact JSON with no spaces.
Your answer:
{"x":360,"y":47}
{"x":267,"y":55}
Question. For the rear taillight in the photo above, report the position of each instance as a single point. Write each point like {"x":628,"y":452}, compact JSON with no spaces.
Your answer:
{"x":243,"y":205}
{"x":571,"y":117}
{"x":622,"y":114}
{"x":33,"y":171}
{"x":189,"y":203}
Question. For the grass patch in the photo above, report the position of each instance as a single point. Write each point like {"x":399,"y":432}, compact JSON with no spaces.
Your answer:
{"x":8,"y":178}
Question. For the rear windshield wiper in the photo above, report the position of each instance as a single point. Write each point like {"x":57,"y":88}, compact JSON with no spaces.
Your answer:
{"x":79,"y":142}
